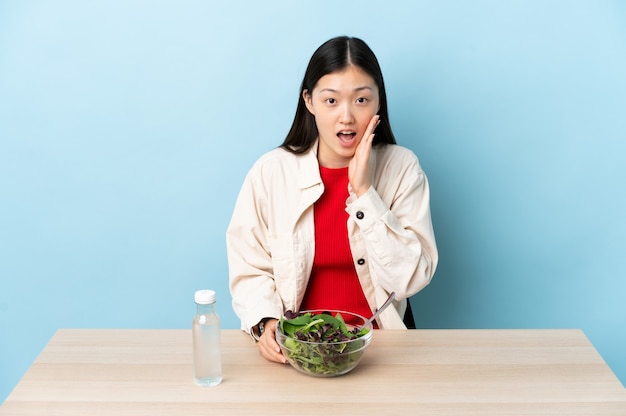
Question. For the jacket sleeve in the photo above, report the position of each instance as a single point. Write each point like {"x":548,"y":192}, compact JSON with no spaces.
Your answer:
{"x":395,"y":224}
{"x":251,"y":280}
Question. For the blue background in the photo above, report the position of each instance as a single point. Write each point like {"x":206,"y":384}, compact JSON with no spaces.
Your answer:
{"x":126,"y":128}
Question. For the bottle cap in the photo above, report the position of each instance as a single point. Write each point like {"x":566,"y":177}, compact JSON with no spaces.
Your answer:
{"x":204,"y":296}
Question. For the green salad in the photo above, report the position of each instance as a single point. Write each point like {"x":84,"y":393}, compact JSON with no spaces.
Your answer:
{"x":321,"y":344}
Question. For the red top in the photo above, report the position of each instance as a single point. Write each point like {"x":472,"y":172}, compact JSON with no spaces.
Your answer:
{"x":334,"y":283}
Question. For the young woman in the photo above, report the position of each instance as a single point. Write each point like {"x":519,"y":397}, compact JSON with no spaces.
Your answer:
{"x":338,"y":216}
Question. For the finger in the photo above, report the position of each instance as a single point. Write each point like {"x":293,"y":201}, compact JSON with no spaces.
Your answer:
{"x":277,"y":355}
{"x":269,"y":353}
{"x":368,"y":136}
{"x":276,"y":351}
{"x":371,"y":126}
{"x":365,"y":146}
{"x":269,"y":348}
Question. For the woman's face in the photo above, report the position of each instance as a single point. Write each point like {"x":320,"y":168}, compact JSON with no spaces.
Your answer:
{"x":343,"y":103}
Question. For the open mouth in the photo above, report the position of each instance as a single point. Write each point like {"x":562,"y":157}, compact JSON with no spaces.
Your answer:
{"x":346,"y":135}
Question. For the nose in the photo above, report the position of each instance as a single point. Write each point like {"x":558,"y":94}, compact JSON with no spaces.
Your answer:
{"x":346,"y":116}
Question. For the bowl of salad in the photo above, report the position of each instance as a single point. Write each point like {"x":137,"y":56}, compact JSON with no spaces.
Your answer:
{"x":323,"y":343}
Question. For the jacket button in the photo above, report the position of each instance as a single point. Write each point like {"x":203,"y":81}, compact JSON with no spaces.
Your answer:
{"x":361,"y":262}
{"x":360,"y":215}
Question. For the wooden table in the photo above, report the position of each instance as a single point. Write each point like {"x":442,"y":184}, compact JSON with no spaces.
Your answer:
{"x":430,"y":372}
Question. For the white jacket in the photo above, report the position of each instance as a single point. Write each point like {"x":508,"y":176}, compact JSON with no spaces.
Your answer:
{"x":271,"y":238}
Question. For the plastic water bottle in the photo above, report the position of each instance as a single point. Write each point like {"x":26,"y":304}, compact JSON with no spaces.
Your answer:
{"x":207,"y":354}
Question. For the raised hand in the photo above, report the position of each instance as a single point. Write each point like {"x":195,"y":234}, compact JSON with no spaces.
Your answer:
{"x":357,"y":169}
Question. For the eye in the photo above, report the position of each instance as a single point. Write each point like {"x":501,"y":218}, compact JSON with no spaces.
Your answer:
{"x":362,"y":100}
{"x":331,"y":100}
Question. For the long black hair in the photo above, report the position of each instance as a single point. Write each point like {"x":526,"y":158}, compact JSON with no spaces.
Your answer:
{"x":335,"y":55}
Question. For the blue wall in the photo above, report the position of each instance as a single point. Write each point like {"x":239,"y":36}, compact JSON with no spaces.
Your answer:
{"x":126,"y":128}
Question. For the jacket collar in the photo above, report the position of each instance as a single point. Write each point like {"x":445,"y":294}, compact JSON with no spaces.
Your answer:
{"x":309,"y":169}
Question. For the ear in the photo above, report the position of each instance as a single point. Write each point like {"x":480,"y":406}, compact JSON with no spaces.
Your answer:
{"x":308,"y":101}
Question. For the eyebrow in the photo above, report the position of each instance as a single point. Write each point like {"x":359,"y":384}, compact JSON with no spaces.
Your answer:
{"x":358,"y":89}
